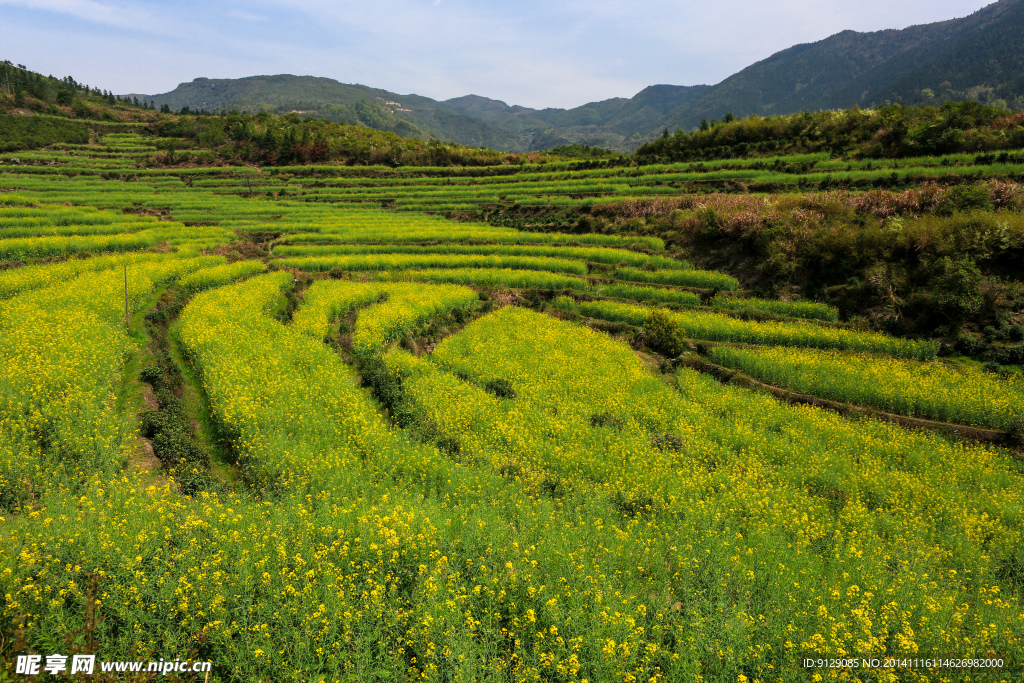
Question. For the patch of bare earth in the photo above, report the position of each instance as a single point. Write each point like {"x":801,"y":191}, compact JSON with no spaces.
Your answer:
{"x":149,"y":401}
{"x":143,"y":460}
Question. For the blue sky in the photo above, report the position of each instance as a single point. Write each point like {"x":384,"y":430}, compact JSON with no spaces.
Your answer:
{"x":557,"y":53}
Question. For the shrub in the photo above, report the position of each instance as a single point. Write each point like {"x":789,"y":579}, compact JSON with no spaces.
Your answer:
{"x":968,"y":345}
{"x":669,"y":441}
{"x":82,"y":110}
{"x":1013,"y":355}
{"x":955,"y":286}
{"x":388,"y":386}
{"x":664,"y":335}
{"x":173,"y":445}
{"x":152,"y":375}
{"x":965,"y":198}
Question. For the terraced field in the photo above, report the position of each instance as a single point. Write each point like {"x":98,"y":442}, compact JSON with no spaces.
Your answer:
{"x":261,"y":418}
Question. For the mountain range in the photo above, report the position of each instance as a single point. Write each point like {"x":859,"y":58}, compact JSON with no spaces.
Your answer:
{"x":979,"y":57}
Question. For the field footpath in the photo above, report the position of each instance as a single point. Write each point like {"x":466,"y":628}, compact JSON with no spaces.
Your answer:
{"x":173,"y":379}
{"x":135,"y":396}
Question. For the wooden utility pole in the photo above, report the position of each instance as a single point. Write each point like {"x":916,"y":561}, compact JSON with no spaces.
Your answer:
{"x":127,"y":329}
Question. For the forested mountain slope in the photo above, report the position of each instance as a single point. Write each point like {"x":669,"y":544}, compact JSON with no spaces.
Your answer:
{"x":978,"y":57}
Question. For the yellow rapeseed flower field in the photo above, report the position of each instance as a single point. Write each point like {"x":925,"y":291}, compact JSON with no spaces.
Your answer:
{"x":525,"y":501}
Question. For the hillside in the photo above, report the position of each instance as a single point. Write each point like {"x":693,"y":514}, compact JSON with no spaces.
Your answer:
{"x":986,"y":65}
{"x":891,"y":131}
{"x":982,"y":53}
{"x":613,"y":123}
{"x":406,"y":115}
{"x":977,"y":57}
{"x":37,"y":110}
{"x":470,"y":120}
{"x":43,"y":111}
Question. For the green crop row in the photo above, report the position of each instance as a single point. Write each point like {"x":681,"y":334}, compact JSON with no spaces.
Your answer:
{"x":609,"y":256}
{"x":215,"y":276}
{"x":717,"y":327}
{"x":397,"y":308}
{"x":794,"y":309}
{"x":34,"y":247}
{"x":653,"y":294}
{"x":489,"y":277}
{"x":705,"y":279}
{"x":927,"y":390}
{"x":416,"y":261}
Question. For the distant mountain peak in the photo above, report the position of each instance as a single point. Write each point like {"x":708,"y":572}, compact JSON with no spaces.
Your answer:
{"x":477,"y":103}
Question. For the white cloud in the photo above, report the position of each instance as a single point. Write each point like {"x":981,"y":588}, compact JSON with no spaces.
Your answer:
{"x":122,"y":16}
